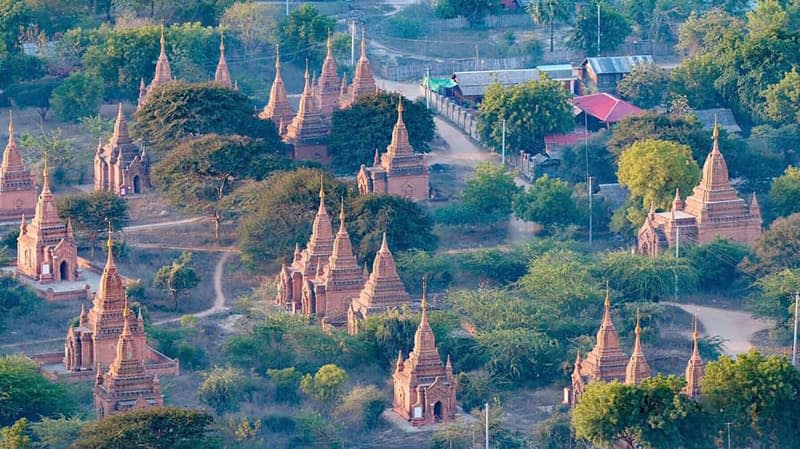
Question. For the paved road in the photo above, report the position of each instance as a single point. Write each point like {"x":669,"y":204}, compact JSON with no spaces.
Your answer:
{"x":164,"y":224}
{"x":736,"y":327}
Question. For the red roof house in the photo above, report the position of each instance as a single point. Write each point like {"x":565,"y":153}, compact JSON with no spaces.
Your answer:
{"x":605,"y":109}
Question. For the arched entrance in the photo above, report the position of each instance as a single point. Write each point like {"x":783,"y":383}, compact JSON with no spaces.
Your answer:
{"x":437,"y":411}
{"x":63,"y":270}
{"x":137,"y":185}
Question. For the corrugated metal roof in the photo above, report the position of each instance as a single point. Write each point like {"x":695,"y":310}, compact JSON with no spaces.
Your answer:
{"x":475,"y":83}
{"x":559,"y":72}
{"x":617,"y":64}
{"x":723,"y":116}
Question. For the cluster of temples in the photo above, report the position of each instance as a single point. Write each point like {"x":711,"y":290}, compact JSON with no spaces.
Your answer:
{"x":607,"y":362}
{"x":713,"y":210}
{"x":120,"y":166}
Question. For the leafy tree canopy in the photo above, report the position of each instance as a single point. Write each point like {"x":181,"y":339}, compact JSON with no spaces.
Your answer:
{"x":490,"y":191}
{"x":80,"y":95}
{"x":784,"y":195}
{"x":783,"y":99}
{"x":547,"y":202}
{"x":302,"y":33}
{"x":178,"y":110}
{"x":777,"y":248}
{"x":614,"y":28}
{"x":645,"y":86}
{"x":360,"y":130}
{"x":28,"y":394}
{"x":92,"y":213}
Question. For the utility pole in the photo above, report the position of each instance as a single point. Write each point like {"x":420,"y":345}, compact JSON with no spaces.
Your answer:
{"x":590,"y":210}
{"x":287,"y":8}
{"x":504,"y":143}
{"x":598,"y":29}
{"x":729,"y":434}
{"x":794,"y":344}
{"x":677,"y":254}
{"x":352,"y":42}
{"x":427,"y":88}
{"x":487,"y":426}
{"x":477,"y":59}
{"x":588,"y":177}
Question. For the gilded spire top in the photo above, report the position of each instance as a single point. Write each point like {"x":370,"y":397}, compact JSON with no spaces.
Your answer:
{"x":10,"y":124}
{"x":341,"y":214}
{"x":321,"y":188}
{"x":638,"y":330}
{"x":277,"y":58}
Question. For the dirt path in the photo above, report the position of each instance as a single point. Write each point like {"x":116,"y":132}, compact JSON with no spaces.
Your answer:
{"x":735,"y":327}
{"x":163,"y":224}
{"x":219,"y":297}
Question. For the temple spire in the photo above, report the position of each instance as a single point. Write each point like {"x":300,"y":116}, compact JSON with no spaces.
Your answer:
{"x":110,"y":246}
{"x":222,"y":75}
{"x":695,"y":368}
{"x":278,"y":108}
{"x":637,"y":369}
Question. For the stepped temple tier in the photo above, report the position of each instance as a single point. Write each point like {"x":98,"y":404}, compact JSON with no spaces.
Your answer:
{"x":325,"y":279}
{"x":400,"y":171}
{"x":120,"y":166}
{"x":424,"y":387}
{"x":307,"y":130}
{"x":17,"y":189}
{"x":712,"y":210}
{"x":46,"y":247}
{"x":126,"y":385}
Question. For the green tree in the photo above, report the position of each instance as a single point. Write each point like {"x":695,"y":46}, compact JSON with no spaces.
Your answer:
{"x":178,"y":111}
{"x":521,"y":356}
{"x":361,"y":408}
{"x":157,"y":427}
{"x":548,"y":12}
{"x":655,"y":17}
{"x":642,"y":278}
{"x":16,"y":436}
{"x":92,"y":213}
{"x":772,"y":297}
{"x":278,"y":212}
{"x":406,"y":224}
{"x":547,"y":202}
{"x":495,"y":266}
{"x":80,"y":95}
{"x":201,"y":172}
{"x":287,"y":382}
{"x":783,"y":99}
{"x":757,"y":395}
{"x":16,"y":300}
{"x":251,"y":23}
{"x":177,"y":278}
{"x":490,"y":191}
{"x":614,"y":28}
{"x":302,"y":33}
{"x":98,"y":127}
{"x":57,"y":433}
{"x":531,"y":111}
{"x":365,"y":127}
{"x":685,"y":130}
{"x":778,"y":248}
{"x":326,"y":386}
{"x":27,"y":393}
{"x":473,"y":10}
{"x":34,"y":94}
{"x":716,"y":263}
{"x":646,"y":85}
{"x":222,"y":389}
{"x":784,"y":195}
{"x":705,"y":33}
{"x":653,"y":169}
{"x":653,"y":415}
{"x":695,"y":79}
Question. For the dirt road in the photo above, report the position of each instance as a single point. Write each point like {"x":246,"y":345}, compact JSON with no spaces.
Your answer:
{"x":734,"y":326}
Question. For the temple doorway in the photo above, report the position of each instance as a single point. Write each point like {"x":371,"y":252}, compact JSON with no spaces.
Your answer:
{"x":63,"y":270}
{"x":437,"y":411}
{"x":137,"y":185}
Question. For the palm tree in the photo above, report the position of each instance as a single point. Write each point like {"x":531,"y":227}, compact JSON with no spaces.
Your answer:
{"x":549,"y":12}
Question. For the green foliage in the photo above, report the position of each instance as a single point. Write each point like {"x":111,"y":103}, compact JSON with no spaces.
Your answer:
{"x":784,"y":195}
{"x":80,"y":95}
{"x":200,"y":173}
{"x":705,"y":33}
{"x":757,"y":395}
{"x":653,"y":169}
{"x":66,"y":164}
{"x":326,"y":386}
{"x":16,"y":436}
{"x":287,"y":382}
{"x":15,"y":68}
{"x":278,"y":212}
{"x":556,"y":433}
{"x":312,"y":428}
{"x":695,"y":79}
{"x":177,"y":278}
{"x":548,"y":12}
{"x":222,"y":389}
{"x":602,"y":166}
{"x":98,"y":127}
{"x":654,"y":415}
{"x":361,"y":408}
{"x":407,"y":225}
{"x":415,"y":264}
{"x":302,"y":33}
{"x":716,"y":263}
{"x":783,"y":98}
{"x":490,"y":191}
{"x":16,"y":300}
{"x":56,"y":433}
{"x":178,"y":110}
{"x":531,"y":110}
{"x":92,"y":213}
{"x":772,"y":296}
{"x":366,"y":126}
{"x":170,"y":427}
{"x":646,"y":85}
{"x":9,"y":239}
{"x":34,"y":94}
{"x":685,"y":130}
{"x":778,"y":248}
{"x":473,"y":10}
{"x":494,"y":266}
{"x":521,"y":356}
{"x":547,"y":202}
{"x":655,"y":17}
{"x":642,"y":278}
{"x":252,"y":24}
{"x":474,"y":389}
{"x":179,"y":344}
{"x":27,"y":393}
{"x":388,"y":334}
{"x":614,"y":28}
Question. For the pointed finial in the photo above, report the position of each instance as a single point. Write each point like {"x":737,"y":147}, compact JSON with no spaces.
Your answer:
{"x":330,"y":41}
{"x":424,"y":295}
{"x":277,"y":56}
{"x":139,"y":315}
{"x":677,"y":193}
{"x":385,"y":249}
{"x":221,"y":39}
{"x":341,"y":213}
{"x":163,"y":42}
{"x":363,"y":41}
{"x":638,"y":329}
{"x":400,"y":105}
{"x":715,"y":134}
{"x":110,"y":242}
{"x":321,"y":188}
{"x":695,"y":334}
{"x":306,"y":75}
{"x":10,"y":123}
{"x":607,"y":303}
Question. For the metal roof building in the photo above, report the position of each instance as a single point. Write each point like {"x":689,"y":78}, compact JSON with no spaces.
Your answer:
{"x":616,"y":64}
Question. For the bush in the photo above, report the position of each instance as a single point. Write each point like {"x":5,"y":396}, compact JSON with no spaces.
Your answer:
{"x":287,"y":382}
{"x":222,"y":389}
{"x":80,"y":95}
{"x":474,"y":389}
{"x":28,"y":394}
{"x":361,"y":408}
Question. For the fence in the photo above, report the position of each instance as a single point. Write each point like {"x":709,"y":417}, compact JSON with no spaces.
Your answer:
{"x":460,"y":23}
{"x":464,"y":119}
{"x":404,"y":72}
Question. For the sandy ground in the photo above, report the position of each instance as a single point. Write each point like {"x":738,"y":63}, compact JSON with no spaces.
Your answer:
{"x":734,"y":326}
